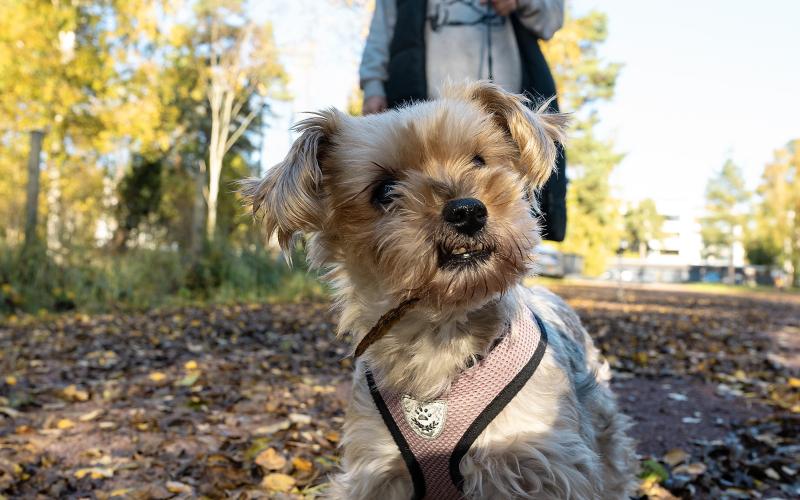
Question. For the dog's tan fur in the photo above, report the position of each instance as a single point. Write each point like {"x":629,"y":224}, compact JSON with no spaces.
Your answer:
{"x":562,"y":435}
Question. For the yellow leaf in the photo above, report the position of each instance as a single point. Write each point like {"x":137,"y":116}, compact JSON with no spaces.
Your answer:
{"x":94,"y":473}
{"x":120,"y":492}
{"x":11,"y":380}
{"x":793,"y":382}
{"x":641,"y":358}
{"x":302,"y":465}
{"x":270,"y":459}
{"x":157,"y":377}
{"x":65,"y":423}
{"x":278,"y":482}
{"x":88,"y":417}
{"x":73,"y":393}
{"x":190,"y":365}
{"x":332,"y":436}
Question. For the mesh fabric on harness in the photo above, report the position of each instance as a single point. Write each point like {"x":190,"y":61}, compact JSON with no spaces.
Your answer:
{"x":434,"y":436}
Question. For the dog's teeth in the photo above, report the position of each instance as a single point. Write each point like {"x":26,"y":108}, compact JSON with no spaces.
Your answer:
{"x":459,"y":251}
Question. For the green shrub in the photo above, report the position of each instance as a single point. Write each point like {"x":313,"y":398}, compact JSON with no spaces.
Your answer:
{"x":94,"y":280}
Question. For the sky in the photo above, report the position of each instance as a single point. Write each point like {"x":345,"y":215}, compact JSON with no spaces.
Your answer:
{"x":702,"y":81}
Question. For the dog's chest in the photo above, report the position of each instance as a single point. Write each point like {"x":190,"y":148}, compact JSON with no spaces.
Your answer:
{"x":433,"y":436}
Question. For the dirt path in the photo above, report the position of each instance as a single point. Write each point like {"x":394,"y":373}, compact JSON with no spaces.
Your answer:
{"x":245,"y":401}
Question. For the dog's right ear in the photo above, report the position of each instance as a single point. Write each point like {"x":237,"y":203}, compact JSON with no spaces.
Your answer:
{"x":289,"y":197}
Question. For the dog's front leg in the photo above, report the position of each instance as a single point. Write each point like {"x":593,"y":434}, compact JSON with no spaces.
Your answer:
{"x":371,"y":466}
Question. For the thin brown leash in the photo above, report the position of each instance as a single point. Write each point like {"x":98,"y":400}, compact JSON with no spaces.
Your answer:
{"x":384,"y":324}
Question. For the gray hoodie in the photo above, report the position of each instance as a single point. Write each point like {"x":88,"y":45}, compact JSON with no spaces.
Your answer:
{"x":458,"y":35}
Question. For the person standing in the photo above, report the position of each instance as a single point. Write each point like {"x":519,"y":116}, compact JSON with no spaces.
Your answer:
{"x":414,"y":47}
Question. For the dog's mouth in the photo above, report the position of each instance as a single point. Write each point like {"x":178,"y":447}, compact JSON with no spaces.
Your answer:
{"x":464,"y":255}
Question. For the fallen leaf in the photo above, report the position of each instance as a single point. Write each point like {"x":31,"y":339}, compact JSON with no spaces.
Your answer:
{"x":190,"y":365}
{"x":178,"y":487}
{"x":65,"y":423}
{"x":302,"y":465}
{"x":270,"y":459}
{"x":157,"y":377}
{"x":189,"y":380}
{"x":88,"y":417}
{"x":278,"y":482}
{"x":675,"y":456}
{"x":694,"y":469}
{"x":299,"y":418}
{"x":272,"y":428}
{"x":72,"y":393}
{"x":94,"y":473}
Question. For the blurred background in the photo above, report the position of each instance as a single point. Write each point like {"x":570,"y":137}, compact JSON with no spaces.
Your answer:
{"x":123,"y":124}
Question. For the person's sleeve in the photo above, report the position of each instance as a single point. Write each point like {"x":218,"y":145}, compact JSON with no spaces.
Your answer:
{"x":542,"y":17}
{"x":375,"y":60}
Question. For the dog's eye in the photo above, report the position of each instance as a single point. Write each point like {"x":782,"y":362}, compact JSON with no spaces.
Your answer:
{"x":478,"y":161}
{"x":384,"y":192}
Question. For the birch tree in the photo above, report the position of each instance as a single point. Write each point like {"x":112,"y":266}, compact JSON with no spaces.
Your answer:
{"x":242,"y":71}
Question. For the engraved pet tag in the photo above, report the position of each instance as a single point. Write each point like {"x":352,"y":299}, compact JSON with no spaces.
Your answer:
{"x":425,"y":419}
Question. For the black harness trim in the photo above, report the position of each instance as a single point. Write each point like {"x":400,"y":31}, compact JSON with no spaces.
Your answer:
{"x":496,"y":406}
{"x":408,"y":457}
{"x":473,"y":431}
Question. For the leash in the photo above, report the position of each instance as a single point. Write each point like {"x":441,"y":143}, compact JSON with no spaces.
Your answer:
{"x":384,"y":324}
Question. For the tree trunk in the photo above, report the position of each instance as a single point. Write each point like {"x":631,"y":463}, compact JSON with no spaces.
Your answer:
{"x":214,"y":174}
{"x":53,"y":222}
{"x":198,"y":211}
{"x":32,"y":202}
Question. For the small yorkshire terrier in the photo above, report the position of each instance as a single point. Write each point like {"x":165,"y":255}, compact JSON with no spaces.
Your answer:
{"x":467,"y":384}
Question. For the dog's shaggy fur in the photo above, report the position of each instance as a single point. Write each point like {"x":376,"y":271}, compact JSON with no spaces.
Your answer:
{"x":562,"y":435}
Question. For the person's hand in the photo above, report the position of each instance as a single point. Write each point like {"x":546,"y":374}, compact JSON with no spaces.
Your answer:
{"x":374,"y":104}
{"x":503,"y":7}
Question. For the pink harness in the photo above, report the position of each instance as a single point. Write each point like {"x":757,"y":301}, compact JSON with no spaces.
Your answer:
{"x":434,"y":436}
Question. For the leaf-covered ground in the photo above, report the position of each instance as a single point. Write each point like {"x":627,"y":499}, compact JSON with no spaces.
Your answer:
{"x":246,"y":401}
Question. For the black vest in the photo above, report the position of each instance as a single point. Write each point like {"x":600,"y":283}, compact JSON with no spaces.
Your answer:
{"x":408,"y":82}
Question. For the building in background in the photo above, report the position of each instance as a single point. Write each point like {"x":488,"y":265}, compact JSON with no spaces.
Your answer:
{"x":678,"y":256}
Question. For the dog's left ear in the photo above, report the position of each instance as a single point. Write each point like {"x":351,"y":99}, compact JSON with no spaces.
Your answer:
{"x":536,"y":133}
{"x":289,"y":197}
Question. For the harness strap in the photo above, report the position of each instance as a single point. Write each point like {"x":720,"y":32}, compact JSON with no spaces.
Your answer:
{"x":434,"y":436}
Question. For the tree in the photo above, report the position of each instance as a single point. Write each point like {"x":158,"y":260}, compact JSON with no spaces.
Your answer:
{"x":643,"y":225}
{"x":74,"y":70}
{"x":242,"y":68}
{"x":583,"y":79}
{"x":722,"y":226}
{"x":775,"y":239}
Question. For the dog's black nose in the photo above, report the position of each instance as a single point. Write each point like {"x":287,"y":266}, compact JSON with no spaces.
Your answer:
{"x":466,"y":215}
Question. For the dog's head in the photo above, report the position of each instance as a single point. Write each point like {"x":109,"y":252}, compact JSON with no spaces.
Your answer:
{"x":431,"y":201}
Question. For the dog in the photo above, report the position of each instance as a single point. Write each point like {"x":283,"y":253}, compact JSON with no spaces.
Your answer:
{"x":468,"y":384}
